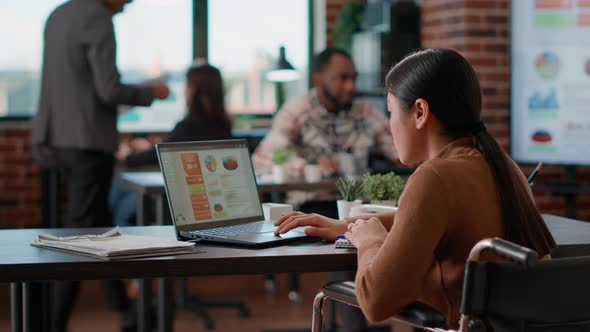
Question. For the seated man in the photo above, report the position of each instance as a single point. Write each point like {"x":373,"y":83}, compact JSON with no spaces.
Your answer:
{"x":329,"y":124}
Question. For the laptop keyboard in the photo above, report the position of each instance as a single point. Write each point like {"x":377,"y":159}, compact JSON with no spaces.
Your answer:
{"x":248,"y":228}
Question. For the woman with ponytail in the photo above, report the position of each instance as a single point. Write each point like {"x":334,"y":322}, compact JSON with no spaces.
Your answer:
{"x":464,"y":189}
{"x":206,"y":119}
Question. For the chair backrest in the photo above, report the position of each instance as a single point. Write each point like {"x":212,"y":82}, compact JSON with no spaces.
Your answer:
{"x":551,"y":295}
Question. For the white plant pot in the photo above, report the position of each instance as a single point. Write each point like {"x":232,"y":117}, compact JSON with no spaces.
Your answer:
{"x":279,"y":173}
{"x":367,"y":209}
{"x":390,"y":202}
{"x":313,"y":173}
{"x":345,"y":206}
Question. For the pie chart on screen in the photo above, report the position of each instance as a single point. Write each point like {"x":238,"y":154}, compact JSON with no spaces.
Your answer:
{"x":541,"y":136}
{"x":547,"y":65}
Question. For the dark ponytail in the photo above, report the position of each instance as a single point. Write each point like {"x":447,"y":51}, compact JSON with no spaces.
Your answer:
{"x":449,"y":84}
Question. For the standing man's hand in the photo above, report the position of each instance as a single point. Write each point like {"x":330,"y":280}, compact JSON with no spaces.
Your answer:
{"x":123,"y":151}
{"x":161,"y":90}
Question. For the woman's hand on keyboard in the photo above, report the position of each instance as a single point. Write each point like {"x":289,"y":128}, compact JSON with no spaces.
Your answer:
{"x":320,"y":226}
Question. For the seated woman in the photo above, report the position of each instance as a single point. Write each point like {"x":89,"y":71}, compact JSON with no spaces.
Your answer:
{"x":206,"y":119}
{"x":464,"y":189}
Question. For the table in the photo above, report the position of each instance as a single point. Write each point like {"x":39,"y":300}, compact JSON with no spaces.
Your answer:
{"x":21,"y":263}
{"x":572,"y":236}
{"x":151,"y":184}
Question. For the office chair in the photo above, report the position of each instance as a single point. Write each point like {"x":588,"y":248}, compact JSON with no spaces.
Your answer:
{"x":523,"y":295}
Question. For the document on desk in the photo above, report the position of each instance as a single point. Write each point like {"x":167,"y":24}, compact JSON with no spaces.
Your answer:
{"x":115,"y":244}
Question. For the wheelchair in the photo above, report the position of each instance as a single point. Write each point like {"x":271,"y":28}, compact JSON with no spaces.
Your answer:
{"x":521,"y":294}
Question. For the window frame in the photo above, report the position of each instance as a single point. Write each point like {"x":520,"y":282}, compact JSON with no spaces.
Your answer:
{"x":201,"y":42}
{"x":201,"y":33}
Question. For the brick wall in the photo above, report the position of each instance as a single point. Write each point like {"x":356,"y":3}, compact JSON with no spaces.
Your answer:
{"x":333,"y":8}
{"x":19,"y":179}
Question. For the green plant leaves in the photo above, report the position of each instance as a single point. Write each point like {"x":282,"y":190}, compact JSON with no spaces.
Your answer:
{"x":281,"y":155}
{"x":350,"y":189}
{"x":382,"y":187}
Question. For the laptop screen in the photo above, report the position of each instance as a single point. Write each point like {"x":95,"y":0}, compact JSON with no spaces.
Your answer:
{"x":209,"y":184}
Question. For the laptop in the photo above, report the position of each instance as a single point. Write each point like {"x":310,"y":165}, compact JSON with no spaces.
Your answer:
{"x":213,"y":195}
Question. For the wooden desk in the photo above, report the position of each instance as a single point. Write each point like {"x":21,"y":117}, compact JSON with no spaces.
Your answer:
{"x":21,"y":263}
{"x":151,"y":185}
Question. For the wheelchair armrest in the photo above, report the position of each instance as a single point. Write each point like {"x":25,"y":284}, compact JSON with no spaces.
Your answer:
{"x":514,"y":252}
{"x":341,"y":291}
{"x":416,"y":313}
{"x":422,"y":314}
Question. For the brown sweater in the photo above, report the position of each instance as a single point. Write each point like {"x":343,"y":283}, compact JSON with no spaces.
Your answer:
{"x":448,"y":205}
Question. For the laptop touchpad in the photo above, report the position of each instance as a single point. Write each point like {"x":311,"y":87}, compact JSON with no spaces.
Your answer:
{"x":268,"y":236}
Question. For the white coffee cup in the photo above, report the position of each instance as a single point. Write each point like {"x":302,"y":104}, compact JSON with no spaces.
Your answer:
{"x":313,"y":173}
{"x":273,"y":211}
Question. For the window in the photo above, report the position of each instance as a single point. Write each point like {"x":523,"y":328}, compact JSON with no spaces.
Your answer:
{"x":243,"y":42}
{"x":154,"y":39}
{"x":21,"y":55}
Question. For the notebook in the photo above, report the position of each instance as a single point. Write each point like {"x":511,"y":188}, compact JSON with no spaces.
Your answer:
{"x":213,"y":196}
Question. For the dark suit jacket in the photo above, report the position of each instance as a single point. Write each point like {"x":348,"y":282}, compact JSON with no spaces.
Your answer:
{"x":81,"y":86}
{"x":189,"y":129}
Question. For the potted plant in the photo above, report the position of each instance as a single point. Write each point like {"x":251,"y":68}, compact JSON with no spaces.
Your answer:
{"x":312,"y":170}
{"x":383,"y":189}
{"x":350,"y":189}
{"x":280,"y":156}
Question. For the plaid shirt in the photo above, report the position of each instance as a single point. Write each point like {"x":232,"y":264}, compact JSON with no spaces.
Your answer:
{"x":303,"y":123}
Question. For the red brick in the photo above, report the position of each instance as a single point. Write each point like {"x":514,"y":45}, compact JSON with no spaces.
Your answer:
{"x":16,"y":160}
{"x":480,"y":33}
{"x":485,"y":4}
{"x":19,"y":215}
{"x":472,"y":47}
{"x":473,"y":18}
{"x":8,"y":148}
{"x":486,"y":91}
{"x":8,"y":201}
{"x":496,"y":104}
{"x":21,"y":187}
{"x":498,"y":48}
{"x":497,"y":77}
{"x":11,"y":172}
{"x":483,"y":61}
{"x":497,"y":19}
{"x":15,"y":133}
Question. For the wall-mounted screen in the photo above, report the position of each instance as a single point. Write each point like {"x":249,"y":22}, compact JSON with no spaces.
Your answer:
{"x":550,"y":105}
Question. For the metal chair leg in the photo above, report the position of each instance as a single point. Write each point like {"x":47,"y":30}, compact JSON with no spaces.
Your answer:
{"x":16,"y":298}
{"x":317,"y":318}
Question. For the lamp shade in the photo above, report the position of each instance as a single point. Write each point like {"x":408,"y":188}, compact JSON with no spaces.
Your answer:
{"x":283,"y":71}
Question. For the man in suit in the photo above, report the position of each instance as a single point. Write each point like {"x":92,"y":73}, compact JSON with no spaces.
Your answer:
{"x":75,"y":128}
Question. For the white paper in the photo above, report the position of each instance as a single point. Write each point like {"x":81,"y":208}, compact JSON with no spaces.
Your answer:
{"x":115,"y":244}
